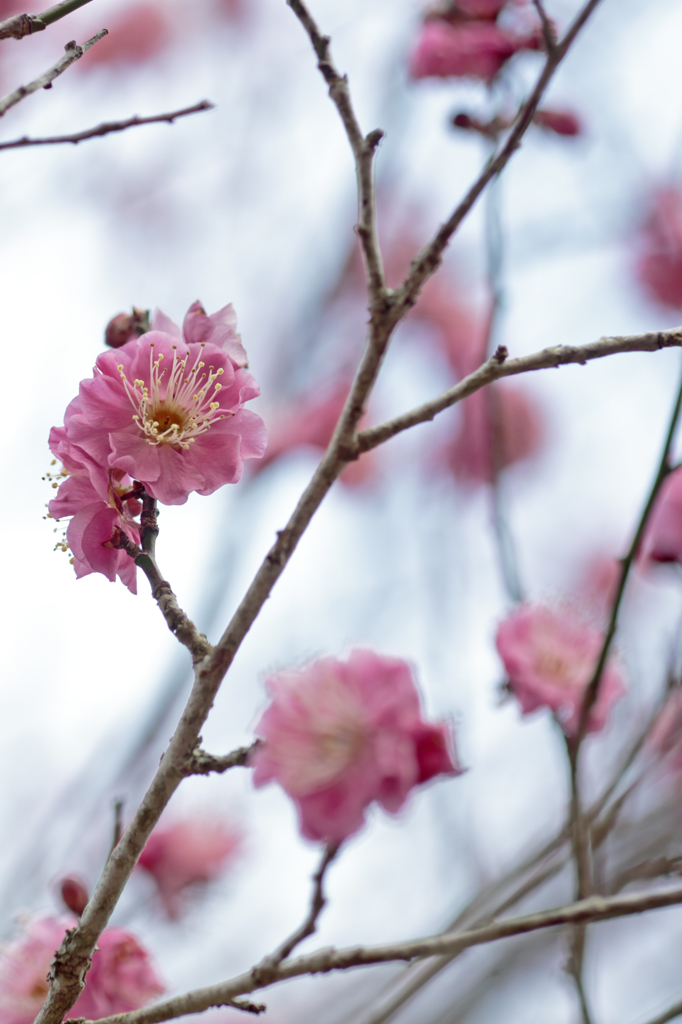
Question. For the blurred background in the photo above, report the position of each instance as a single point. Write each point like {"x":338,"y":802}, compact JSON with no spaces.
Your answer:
{"x":254,"y":203}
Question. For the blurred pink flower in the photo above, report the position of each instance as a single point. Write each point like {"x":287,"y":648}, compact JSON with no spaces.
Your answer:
{"x":562,"y":122}
{"x":121,"y":978}
{"x":470,"y":49}
{"x":550,"y":656}
{"x":186,"y":853}
{"x":137,"y":35}
{"x":311,"y":422}
{"x":341,"y":734}
{"x":152,"y":410}
{"x":659,"y":263}
{"x":496,"y":431}
{"x":663,"y":537}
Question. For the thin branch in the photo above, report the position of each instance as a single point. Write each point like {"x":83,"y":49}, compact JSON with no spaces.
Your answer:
{"x":670,"y":1014}
{"x":431,"y":255}
{"x":499,"y":366}
{"x":596,"y":908}
{"x":664,"y":469}
{"x":20,"y":25}
{"x":548,"y":28}
{"x":202,"y":763}
{"x":177,"y":620}
{"x":106,"y":128}
{"x":73,"y":52}
{"x":268,"y":967}
{"x":364,"y":148}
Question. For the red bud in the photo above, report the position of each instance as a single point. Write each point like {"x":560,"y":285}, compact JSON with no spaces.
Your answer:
{"x":74,"y":894}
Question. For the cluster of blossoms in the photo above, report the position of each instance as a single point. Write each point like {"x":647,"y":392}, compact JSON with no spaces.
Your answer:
{"x":339,"y":735}
{"x":121,"y":978}
{"x":550,"y":657}
{"x":163,"y":414}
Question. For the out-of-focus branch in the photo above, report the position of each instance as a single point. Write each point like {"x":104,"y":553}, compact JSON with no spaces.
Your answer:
{"x":499,"y":366}
{"x":596,"y":908}
{"x":670,"y":1014}
{"x":73,"y":52}
{"x":106,"y":128}
{"x":268,"y":967}
{"x":548,"y":29}
{"x":431,"y":255}
{"x":20,"y":25}
{"x":202,"y":763}
{"x":364,"y":148}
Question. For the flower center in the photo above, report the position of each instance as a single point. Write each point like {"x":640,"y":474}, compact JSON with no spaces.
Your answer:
{"x":178,"y":404}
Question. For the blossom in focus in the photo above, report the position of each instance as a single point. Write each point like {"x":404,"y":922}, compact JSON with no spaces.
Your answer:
{"x":168,"y":411}
{"x":95,"y":499}
{"x":470,"y":49}
{"x":562,"y":122}
{"x":550,"y":657}
{"x":499,"y":427}
{"x":136,"y":35}
{"x":659,"y":262}
{"x":339,"y":735}
{"x":663,"y":536}
{"x":187,"y":853}
{"x":121,"y":978}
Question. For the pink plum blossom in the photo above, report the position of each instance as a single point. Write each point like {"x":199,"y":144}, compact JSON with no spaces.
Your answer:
{"x":663,"y":537}
{"x":95,"y":499}
{"x":470,"y":49}
{"x":496,"y":430}
{"x":340,"y":734}
{"x":659,"y":262}
{"x":550,"y":656}
{"x":121,"y":978}
{"x":168,"y":411}
{"x":187,"y":853}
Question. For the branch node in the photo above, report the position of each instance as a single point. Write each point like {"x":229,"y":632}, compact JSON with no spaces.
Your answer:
{"x":500,"y":354}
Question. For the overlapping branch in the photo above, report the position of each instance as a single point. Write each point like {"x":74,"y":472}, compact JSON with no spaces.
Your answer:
{"x":107,"y":128}
{"x":73,"y":52}
{"x":20,"y":25}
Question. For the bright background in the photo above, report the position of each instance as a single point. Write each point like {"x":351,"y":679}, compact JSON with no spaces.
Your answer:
{"x":254,"y":203}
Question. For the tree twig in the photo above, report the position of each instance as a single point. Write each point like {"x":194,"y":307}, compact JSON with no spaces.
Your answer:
{"x":20,"y":25}
{"x":548,"y":29}
{"x":73,"y":52}
{"x":106,"y":128}
{"x":202,"y":763}
{"x":594,"y":909}
{"x":498,"y":366}
{"x":670,"y":1014}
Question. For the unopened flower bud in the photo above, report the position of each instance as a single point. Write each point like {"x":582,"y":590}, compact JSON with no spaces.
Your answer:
{"x":74,"y":894}
{"x":125,"y":326}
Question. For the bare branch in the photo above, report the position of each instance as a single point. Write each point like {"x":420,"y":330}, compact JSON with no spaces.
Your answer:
{"x":670,"y":1014}
{"x":20,"y":25}
{"x":548,"y":29}
{"x":364,"y":148}
{"x":499,"y":366}
{"x":202,"y":763}
{"x":73,"y":53}
{"x":317,"y":904}
{"x":596,"y":908}
{"x":106,"y":128}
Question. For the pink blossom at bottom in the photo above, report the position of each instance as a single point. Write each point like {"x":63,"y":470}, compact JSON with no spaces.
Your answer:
{"x":121,"y":978}
{"x":497,"y":430}
{"x":663,"y":536}
{"x":186,"y":853}
{"x":339,"y":735}
{"x":659,"y":261}
{"x":550,"y":657}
